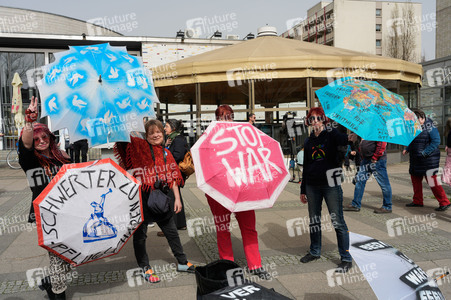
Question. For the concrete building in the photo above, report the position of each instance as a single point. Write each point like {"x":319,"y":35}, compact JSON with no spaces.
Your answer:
{"x":29,"y":39}
{"x":364,"y":26}
{"x":443,"y":29}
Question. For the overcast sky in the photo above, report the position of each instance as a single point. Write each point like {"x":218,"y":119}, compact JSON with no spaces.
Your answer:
{"x":165,"y":18}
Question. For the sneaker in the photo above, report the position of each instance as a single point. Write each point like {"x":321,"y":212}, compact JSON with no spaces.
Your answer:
{"x":443,"y":208}
{"x":160,"y":234}
{"x":189,"y":267}
{"x":260,"y":272}
{"x":151,"y":277}
{"x":382,"y":211}
{"x":308,"y":258}
{"x":350,"y":208}
{"x":151,"y":225}
{"x":414,"y":205}
{"x":343,"y":267}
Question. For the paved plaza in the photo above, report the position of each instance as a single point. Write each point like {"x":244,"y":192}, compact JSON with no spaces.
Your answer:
{"x":281,"y":246}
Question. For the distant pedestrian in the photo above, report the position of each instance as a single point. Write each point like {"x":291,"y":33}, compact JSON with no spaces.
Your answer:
{"x":252,"y":118}
{"x":177,"y":145}
{"x":320,"y":157}
{"x":81,"y":146}
{"x":446,"y":178}
{"x":424,"y":162}
{"x":374,"y":161}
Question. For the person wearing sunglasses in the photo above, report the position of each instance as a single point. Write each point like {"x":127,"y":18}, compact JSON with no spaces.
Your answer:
{"x":40,"y":158}
{"x":321,"y":179}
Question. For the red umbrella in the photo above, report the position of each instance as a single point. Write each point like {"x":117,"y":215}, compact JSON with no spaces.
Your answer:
{"x":88,"y":211}
{"x":239,"y":166}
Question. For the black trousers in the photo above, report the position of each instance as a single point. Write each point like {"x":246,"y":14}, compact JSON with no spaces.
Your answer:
{"x":82,"y":146}
{"x":170,"y":232}
{"x":180,"y":218}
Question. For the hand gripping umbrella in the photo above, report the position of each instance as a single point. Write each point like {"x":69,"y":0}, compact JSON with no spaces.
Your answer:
{"x":88,"y":211}
{"x":371,"y":111}
{"x":239,"y":166}
{"x":98,"y":92}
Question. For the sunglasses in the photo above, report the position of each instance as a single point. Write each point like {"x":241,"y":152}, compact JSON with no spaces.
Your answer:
{"x":44,"y":137}
{"x":317,"y":118}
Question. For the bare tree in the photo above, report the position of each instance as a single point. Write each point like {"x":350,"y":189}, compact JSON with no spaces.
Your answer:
{"x":402,"y":28}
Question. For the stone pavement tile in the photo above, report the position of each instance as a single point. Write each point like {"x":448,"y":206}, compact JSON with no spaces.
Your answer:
{"x":180,"y":292}
{"x":110,"y":296}
{"x":366,"y":294}
{"x":14,"y":185}
{"x":200,"y":196}
{"x":304,"y":286}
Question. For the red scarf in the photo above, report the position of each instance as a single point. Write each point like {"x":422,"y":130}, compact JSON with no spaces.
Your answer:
{"x":136,"y":156}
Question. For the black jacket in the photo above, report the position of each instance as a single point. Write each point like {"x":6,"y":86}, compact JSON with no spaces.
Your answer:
{"x":178,"y":148}
{"x":321,"y":155}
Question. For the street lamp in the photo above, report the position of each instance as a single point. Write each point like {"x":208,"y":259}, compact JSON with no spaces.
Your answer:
{"x":181,"y":34}
{"x":249,"y":36}
{"x":217,"y":34}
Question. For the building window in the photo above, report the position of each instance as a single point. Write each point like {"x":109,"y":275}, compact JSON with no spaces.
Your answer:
{"x":378,"y":43}
{"x":378,"y":12}
{"x":378,"y":27}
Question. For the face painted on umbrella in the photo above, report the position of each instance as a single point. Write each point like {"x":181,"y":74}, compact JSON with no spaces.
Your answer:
{"x":155,"y":136}
{"x":41,"y":141}
{"x":167,"y":129}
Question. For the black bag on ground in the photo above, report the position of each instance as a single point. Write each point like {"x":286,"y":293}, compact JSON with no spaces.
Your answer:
{"x":213,"y":277}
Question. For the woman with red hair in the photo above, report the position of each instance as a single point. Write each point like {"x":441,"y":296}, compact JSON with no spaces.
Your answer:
{"x":321,"y":180}
{"x":39,"y":156}
{"x":246,"y":221}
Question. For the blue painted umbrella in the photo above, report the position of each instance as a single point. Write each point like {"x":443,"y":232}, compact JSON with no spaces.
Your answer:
{"x":371,"y":111}
{"x":97,"y":92}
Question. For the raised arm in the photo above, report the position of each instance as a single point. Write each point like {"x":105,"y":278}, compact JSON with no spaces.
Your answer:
{"x":31,"y":115}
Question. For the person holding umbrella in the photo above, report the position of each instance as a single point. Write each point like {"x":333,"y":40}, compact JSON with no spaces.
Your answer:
{"x":321,"y":180}
{"x":159,"y":171}
{"x":40,"y":158}
{"x":424,"y":162}
{"x":246,"y":221}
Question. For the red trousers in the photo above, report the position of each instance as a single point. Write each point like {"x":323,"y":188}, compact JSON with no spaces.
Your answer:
{"x":246,"y":221}
{"x":436,"y":187}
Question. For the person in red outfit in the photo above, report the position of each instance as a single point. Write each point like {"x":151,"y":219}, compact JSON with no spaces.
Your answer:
{"x":246,"y":222}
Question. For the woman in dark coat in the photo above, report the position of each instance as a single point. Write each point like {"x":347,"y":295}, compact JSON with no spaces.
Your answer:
{"x":424,"y":162}
{"x":40,"y":158}
{"x":177,"y":145}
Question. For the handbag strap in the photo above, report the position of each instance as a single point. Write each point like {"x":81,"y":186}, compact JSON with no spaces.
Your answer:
{"x":154,"y":161}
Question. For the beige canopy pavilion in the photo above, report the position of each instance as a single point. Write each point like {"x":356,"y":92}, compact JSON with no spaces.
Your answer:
{"x":269,"y":71}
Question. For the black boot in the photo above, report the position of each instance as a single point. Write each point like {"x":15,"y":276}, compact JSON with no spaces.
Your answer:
{"x":46,"y":285}
{"x":61,"y":296}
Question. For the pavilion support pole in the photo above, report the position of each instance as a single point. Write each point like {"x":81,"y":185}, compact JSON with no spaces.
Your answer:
{"x":157,"y":90}
{"x":251,"y":96}
{"x":198,"y":109}
{"x":309,"y":92}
